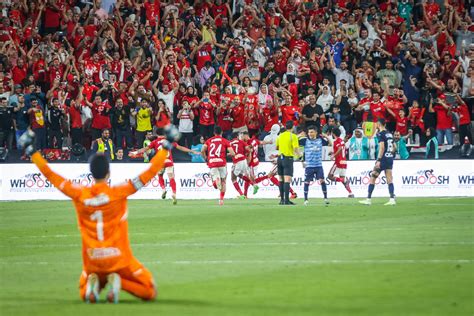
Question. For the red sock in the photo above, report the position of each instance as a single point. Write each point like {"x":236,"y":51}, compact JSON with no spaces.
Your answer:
{"x":338,"y":179}
{"x":246,"y":187}
{"x":214,"y":184}
{"x":222,"y":195}
{"x":260,"y":179}
{"x":275,"y":181}
{"x":246,"y":179}
{"x":161,"y":181}
{"x":173,"y":185}
{"x":237,"y":187}
{"x":291,"y":191}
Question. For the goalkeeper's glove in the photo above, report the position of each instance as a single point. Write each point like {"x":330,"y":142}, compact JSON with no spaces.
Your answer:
{"x":172,"y":135}
{"x":27,"y":142}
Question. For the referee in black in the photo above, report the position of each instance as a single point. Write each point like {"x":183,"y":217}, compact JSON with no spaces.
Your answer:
{"x":288,"y":147}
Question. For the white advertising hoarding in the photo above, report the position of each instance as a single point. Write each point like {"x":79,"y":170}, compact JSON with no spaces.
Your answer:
{"x":415,"y":178}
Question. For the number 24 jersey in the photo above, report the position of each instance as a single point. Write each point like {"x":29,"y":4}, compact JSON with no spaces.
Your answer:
{"x":217,"y":151}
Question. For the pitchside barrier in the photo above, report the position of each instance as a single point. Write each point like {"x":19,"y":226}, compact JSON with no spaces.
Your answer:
{"x":417,"y":178}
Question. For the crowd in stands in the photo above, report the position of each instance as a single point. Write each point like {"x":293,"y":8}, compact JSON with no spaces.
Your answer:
{"x":71,"y":68}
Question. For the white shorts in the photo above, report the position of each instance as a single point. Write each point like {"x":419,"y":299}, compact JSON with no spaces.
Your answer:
{"x":341,"y":172}
{"x":253,"y":171}
{"x":168,"y":170}
{"x":218,"y":172}
{"x":240,"y":168}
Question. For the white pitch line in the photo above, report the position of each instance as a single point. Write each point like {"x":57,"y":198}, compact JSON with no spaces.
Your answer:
{"x":270,"y":261}
{"x":449,"y":204}
{"x":246,"y":244}
{"x":316,"y":261}
{"x":228,"y":232}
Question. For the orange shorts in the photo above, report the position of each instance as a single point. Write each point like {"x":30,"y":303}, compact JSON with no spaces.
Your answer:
{"x":135,"y":278}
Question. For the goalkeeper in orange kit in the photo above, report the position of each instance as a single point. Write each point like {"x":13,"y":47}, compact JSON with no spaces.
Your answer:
{"x":102,"y":213}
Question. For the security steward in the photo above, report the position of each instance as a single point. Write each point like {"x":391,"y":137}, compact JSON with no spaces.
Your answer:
{"x":288,"y":147}
{"x":104,"y":145}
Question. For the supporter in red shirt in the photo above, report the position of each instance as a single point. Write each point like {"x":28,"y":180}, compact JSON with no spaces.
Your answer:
{"x":390,"y":39}
{"x":238,"y":115}
{"x":220,"y":10}
{"x":431,"y":8}
{"x":444,"y":120}
{"x":269,"y":115}
{"x":290,"y":113}
{"x":224,"y":117}
{"x":462,"y":110}
{"x":402,"y":123}
{"x":19,"y":72}
{"x":280,"y":60}
{"x":377,"y":107}
{"x":206,"y":115}
{"x":152,"y":12}
{"x":238,"y":60}
{"x":251,"y":112}
{"x":56,"y":71}
{"x":298,"y":43}
{"x":100,"y":116}
{"x":52,"y":17}
{"x":75,"y":111}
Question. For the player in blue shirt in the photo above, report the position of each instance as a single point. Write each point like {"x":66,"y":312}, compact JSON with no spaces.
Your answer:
{"x":387,"y":150}
{"x":313,"y":154}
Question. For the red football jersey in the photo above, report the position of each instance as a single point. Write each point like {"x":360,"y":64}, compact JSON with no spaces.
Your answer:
{"x":239,"y":63}
{"x":378,"y":110}
{"x":238,"y":146}
{"x":100,"y":116}
{"x":402,"y":125}
{"x":157,"y":144}
{"x":217,"y":151}
{"x":206,"y":113}
{"x":395,"y":104}
{"x":341,"y":157}
{"x":254,"y":158}
{"x":288,"y":114}
{"x":238,"y":113}
{"x":251,"y":112}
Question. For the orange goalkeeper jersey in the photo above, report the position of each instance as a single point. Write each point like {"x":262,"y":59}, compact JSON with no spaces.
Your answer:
{"x":102,"y":215}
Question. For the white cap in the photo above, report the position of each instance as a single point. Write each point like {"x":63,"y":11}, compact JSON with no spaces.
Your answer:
{"x":275,"y":129}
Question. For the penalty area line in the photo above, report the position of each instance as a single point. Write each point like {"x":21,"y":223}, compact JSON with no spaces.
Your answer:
{"x":250,"y":244}
{"x":271,"y":261}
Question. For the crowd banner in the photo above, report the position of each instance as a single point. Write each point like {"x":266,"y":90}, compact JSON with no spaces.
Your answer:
{"x":412,"y":178}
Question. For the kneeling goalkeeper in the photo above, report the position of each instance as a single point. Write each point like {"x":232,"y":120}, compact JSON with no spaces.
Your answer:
{"x":102,"y":216}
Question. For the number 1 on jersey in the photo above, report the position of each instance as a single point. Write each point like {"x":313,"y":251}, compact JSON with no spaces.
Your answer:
{"x":97,"y":216}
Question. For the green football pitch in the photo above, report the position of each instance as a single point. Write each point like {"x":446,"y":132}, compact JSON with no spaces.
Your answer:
{"x":254,"y":257}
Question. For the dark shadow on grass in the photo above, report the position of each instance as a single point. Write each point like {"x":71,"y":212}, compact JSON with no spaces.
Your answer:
{"x":124,"y":301}
{"x":166,"y":301}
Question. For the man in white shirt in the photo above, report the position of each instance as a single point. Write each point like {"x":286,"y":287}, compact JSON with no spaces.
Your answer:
{"x":167,"y":96}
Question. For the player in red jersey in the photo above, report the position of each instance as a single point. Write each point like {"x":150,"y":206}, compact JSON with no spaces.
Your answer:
{"x":253,"y":162}
{"x":340,"y":164}
{"x":240,"y":166}
{"x":215,"y":151}
{"x":157,"y":145}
